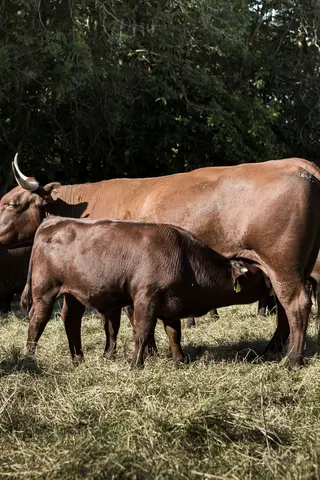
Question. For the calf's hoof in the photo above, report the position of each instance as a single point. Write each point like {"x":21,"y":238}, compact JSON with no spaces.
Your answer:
{"x":110,"y":354}
{"x":179,"y":361}
{"x":150,"y":351}
{"x":191,"y":322}
{"x":30,"y":350}
{"x":77,"y":360}
{"x":136,"y":365}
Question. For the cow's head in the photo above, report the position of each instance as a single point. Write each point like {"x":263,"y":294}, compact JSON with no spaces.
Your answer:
{"x":22,"y":209}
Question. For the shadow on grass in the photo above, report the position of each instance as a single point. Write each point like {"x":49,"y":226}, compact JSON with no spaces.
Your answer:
{"x":248,"y":350}
{"x":15,"y":362}
{"x":227,"y":428}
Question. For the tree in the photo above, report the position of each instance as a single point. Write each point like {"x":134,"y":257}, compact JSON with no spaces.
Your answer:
{"x":96,"y":89}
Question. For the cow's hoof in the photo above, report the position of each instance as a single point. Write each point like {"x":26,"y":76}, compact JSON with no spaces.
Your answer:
{"x":294,"y":363}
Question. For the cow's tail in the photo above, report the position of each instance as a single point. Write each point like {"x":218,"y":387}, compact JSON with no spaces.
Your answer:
{"x":26,"y":297}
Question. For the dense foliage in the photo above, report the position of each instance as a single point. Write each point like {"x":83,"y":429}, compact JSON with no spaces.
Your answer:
{"x":91,"y":89}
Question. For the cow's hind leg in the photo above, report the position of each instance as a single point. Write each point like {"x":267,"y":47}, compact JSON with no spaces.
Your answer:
{"x":72,"y":312}
{"x":293,"y":309}
{"x":173,"y":331}
{"x":111,"y":320}
{"x":298,"y":312}
{"x":39,"y":316}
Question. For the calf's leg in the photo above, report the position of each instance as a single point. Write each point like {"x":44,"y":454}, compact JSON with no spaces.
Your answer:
{"x":111,"y":320}
{"x":151,"y":348}
{"x":173,"y":331}
{"x":39,"y":316}
{"x":262,"y":306}
{"x":271,"y":304}
{"x":191,"y":322}
{"x":144,"y":322}
{"x":214,"y":315}
{"x":72,"y":312}
{"x":266,"y":304}
{"x":282,"y":332}
{"x":5,"y":303}
{"x":318,"y":300}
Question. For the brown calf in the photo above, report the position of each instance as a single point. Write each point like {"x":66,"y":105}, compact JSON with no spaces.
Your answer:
{"x":163,"y":271}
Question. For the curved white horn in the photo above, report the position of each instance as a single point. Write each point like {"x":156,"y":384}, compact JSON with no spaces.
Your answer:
{"x":28,"y":183}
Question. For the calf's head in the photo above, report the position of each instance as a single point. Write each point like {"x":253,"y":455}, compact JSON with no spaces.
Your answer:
{"x":238,"y":269}
{"x":22,"y":209}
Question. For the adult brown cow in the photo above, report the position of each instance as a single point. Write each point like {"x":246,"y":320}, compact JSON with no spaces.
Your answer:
{"x":14,"y":269}
{"x":228,"y":208}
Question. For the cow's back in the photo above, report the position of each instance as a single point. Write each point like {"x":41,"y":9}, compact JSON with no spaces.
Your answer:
{"x":228,"y":208}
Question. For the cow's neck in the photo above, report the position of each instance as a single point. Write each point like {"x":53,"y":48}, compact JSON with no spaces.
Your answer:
{"x":89,"y":200}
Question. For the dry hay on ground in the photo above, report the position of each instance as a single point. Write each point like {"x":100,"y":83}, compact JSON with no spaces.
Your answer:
{"x":225,"y":415}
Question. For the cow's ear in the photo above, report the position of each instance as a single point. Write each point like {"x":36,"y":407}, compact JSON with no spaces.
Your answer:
{"x":237,"y":270}
{"x":50,"y":192}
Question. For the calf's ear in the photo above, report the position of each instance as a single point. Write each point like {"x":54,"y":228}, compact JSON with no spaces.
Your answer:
{"x":50,"y":192}
{"x":237,"y":270}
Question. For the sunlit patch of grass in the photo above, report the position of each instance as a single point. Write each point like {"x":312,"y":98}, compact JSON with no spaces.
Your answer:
{"x":226,"y":414}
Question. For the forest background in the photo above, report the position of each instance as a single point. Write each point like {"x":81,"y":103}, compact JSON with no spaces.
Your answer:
{"x":93,"y":89}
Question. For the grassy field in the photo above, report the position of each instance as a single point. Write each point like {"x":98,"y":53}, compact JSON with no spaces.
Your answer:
{"x":222,"y":416}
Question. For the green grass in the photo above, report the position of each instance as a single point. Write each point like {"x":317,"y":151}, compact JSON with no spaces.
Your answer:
{"x":222,"y":416}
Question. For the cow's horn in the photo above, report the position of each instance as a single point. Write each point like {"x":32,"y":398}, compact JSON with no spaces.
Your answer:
{"x":28,"y":183}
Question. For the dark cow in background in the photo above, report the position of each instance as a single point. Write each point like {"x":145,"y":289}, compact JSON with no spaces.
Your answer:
{"x":13,"y":274}
{"x":229,"y":208}
{"x":163,"y":271}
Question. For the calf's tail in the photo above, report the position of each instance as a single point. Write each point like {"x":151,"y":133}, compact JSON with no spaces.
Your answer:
{"x":26,"y":297}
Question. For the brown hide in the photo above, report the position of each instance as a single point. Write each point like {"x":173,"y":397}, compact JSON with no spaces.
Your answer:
{"x":267,"y":302}
{"x":164,"y":271}
{"x":264,"y":212}
{"x":227,"y":207}
{"x":14,"y":268}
